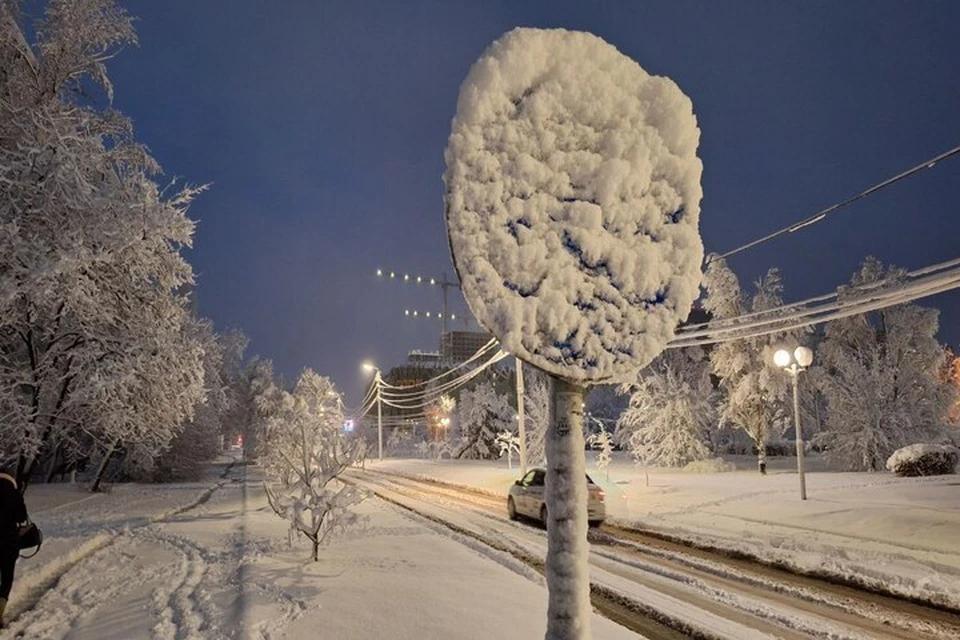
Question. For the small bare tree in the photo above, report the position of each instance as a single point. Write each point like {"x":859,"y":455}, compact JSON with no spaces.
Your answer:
{"x":304,"y":450}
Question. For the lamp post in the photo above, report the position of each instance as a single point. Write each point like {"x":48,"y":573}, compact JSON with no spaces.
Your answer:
{"x":794,"y":363}
{"x":368,"y":366}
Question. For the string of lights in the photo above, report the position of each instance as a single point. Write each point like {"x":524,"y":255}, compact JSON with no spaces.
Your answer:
{"x":824,"y":213}
{"x":427,"y":314}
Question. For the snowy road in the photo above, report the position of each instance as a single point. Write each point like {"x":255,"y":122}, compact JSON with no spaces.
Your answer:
{"x":702,"y":593}
{"x":210,"y":560}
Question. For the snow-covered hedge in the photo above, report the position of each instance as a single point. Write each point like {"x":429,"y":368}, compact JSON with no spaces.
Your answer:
{"x":924,"y":460}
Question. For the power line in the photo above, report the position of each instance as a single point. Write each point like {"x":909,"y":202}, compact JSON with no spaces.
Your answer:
{"x":821,"y":215}
{"x":871,"y":297}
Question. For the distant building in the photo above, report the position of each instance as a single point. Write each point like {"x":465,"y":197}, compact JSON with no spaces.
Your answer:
{"x":429,"y":359}
{"x":457,"y":346}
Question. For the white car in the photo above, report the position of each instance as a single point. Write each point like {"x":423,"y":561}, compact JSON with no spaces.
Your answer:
{"x":526,"y":498}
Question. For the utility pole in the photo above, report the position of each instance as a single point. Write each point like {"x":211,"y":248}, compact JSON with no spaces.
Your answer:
{"x":520,"y":418}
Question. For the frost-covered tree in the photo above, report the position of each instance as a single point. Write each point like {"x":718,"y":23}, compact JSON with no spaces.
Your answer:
{"x":755,"y":392}
{"x":199,"y":440}
{"x":90,"y":325}
{"x":536,"y":414}
{"x":509,"y":443}
{"x":672,"y":410}
{"x":952,"y":376}
{"x":304,"y":451}
{"x":604,"y":441}
{"x":483,"y":413}
{"x":879,"y":374}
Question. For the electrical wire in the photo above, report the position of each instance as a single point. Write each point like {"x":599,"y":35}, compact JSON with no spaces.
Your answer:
{"x":821,"y":215}
{"x":922,"y":283}
{"x":426,"y":398}
{"x":479,"y":354}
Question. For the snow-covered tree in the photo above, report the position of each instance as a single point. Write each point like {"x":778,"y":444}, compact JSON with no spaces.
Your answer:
{"x":199,"y":440}
{"x":879,"y":374}
{"x":92,"y":333}
{"x":951,"y":374}
{"x":483,"y":413}
{"x":304,"y":451}
{"x":756,"y":393}
{"x":604,"y":441}
{"x":536,"y":408}
{"x":509,"y":444}
{"x":672,"y":410}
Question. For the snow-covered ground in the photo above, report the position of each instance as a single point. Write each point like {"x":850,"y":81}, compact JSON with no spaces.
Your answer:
{"x":898,"y":534}
{"x":209,"y":560}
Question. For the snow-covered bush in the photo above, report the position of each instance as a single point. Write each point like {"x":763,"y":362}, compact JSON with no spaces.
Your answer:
{"x":713,"y":465}
{"x":924,"y":460}
{"x":303,"y":452}
{"x":509,"y":444}
{"x":603,"y":441}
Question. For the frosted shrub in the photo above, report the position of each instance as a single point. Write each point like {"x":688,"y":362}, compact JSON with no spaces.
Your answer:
{"x":924,"y":460}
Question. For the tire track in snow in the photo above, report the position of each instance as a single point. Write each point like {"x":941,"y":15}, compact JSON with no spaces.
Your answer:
{"x":786,"y":614}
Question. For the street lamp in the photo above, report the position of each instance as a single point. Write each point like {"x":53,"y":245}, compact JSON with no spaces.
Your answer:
{"x":794,"y":363}
{"x":369,"y":366}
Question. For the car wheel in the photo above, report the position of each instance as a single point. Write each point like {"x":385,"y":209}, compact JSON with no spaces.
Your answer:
{"x":543,"y":516}
{"x":511,"y":509}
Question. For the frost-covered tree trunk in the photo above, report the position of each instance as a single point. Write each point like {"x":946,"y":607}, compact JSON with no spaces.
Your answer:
{"x":880,"y":374}
{"x":304,"y":452}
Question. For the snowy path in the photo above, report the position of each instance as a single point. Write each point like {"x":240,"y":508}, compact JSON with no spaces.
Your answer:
{"x":209,"y":562}
{"x":693,"y":594}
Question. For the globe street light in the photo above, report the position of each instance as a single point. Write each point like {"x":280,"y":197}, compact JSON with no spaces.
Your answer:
{"x":369,"y":366}
{"x":794,"y":363}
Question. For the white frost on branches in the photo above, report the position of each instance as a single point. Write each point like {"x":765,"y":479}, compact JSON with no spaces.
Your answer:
{"x":304,"y":451}
{"x":880,"y":376}
{"x":509,"y":444}
{"x":483,"y":413}
{"x":671,"y":412}
{"x":573,"y":202}
{"x":95,"y":347}
{"x":756,"y":392}
{"x":536,"y":410}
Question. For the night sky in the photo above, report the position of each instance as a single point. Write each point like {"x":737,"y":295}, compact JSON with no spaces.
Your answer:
{"x":322,"y":125}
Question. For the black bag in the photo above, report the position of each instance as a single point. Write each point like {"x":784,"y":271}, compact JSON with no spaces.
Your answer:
{"x":30,"y":536}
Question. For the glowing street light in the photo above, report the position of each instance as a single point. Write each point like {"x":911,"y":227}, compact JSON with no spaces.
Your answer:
{"x":369,"y":367}
{"x":794,"y":363}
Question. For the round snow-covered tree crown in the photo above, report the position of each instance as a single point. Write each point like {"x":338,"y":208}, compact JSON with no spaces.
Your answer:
{"x":573,"y":203}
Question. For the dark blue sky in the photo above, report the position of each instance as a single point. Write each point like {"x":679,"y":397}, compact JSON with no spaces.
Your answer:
{"x":322,"y":125}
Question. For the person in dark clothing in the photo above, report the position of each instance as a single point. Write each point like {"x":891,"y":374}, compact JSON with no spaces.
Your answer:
{"x":13,"y":512}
